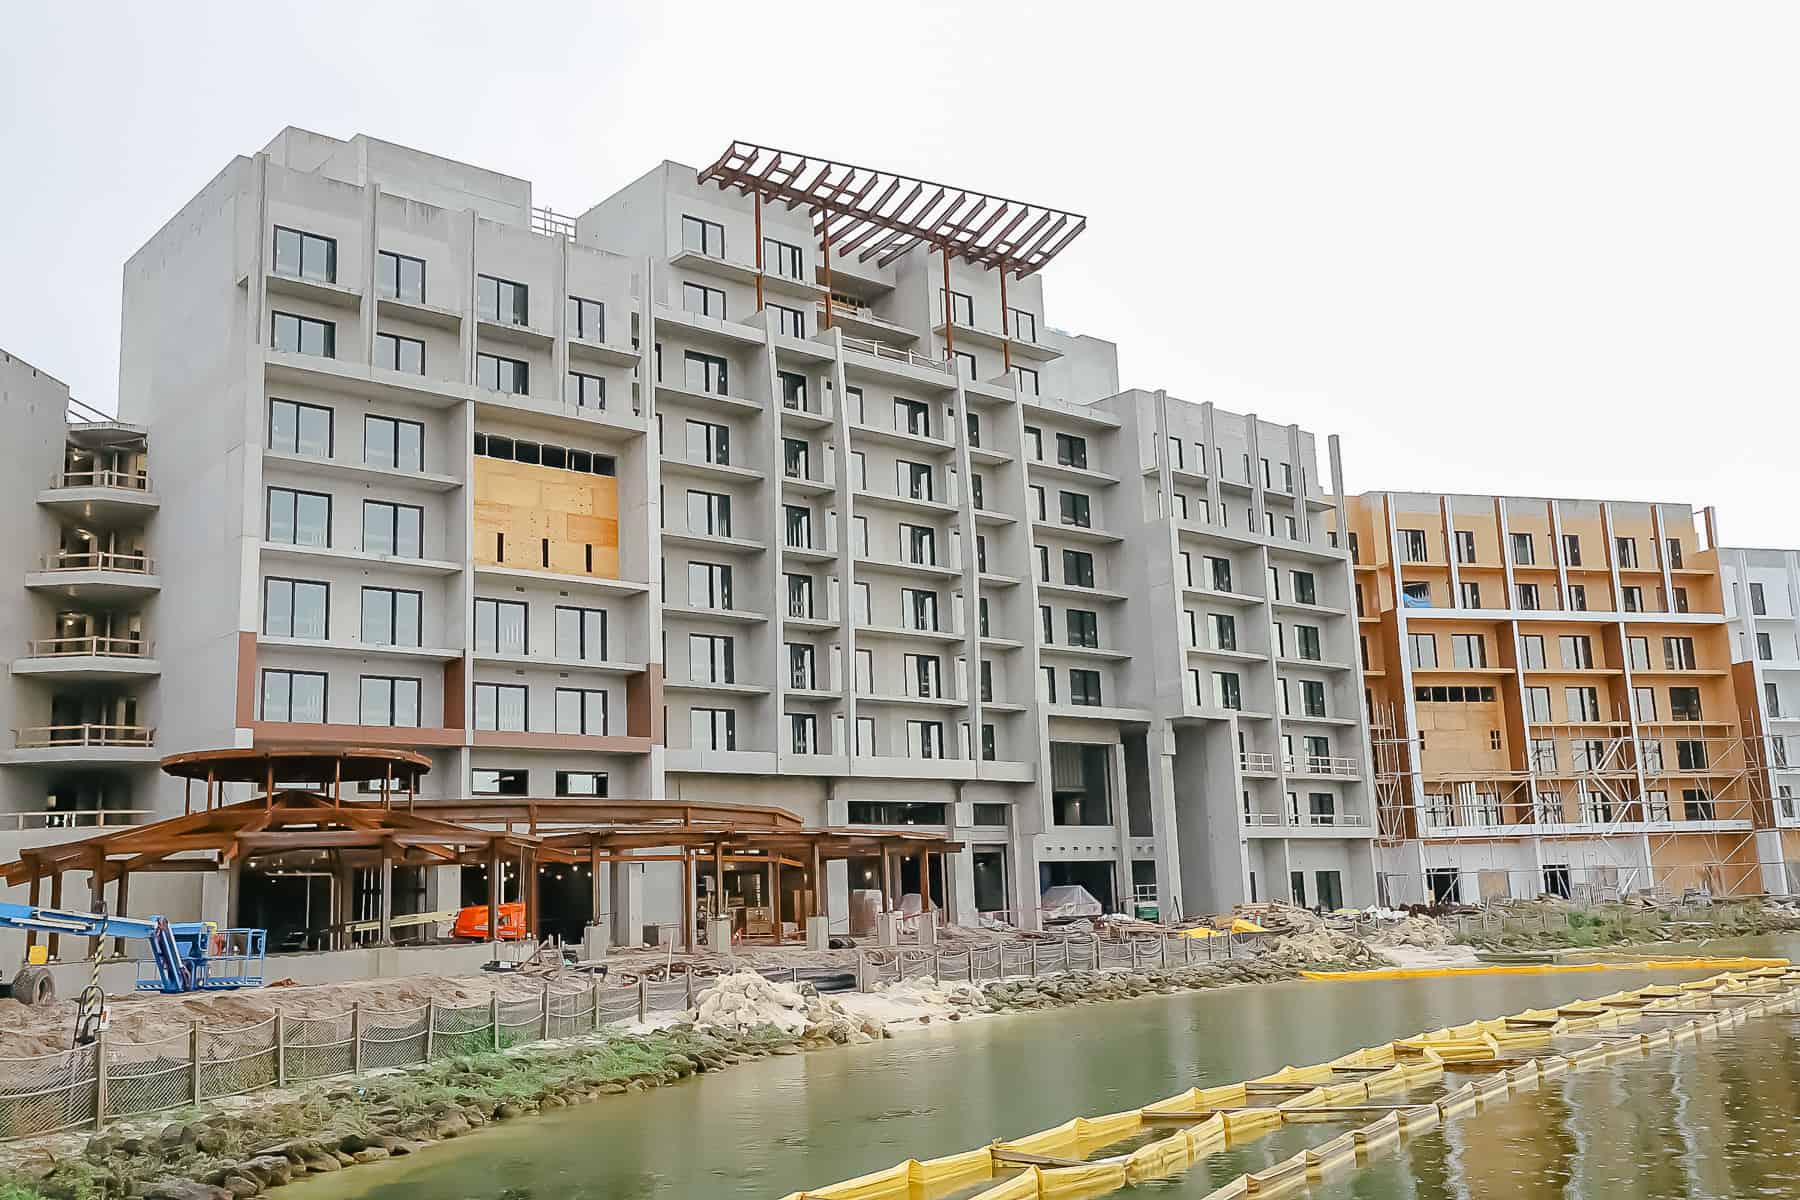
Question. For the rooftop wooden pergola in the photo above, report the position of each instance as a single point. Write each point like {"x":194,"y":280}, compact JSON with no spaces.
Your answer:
{"x":313,"y":821}
{"x":880,"y":215}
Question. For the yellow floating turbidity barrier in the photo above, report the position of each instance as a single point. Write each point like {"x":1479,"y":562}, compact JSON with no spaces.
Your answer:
{"x":1057,"y":1163}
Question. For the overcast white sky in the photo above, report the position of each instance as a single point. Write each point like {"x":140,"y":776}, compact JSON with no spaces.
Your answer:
{"x":1529,"y":248}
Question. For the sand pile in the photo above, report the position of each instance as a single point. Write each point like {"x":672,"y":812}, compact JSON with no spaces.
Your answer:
{"x":746,"y":1000}
{"x":1420,"y":933}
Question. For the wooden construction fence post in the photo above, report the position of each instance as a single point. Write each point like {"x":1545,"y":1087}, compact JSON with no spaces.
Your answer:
{"x":643,"y":990}
{"x":494,"y":1017}
{"x":194,"y":1092}
{"x":100,"y":1079}
{"x":596,"y":992}
{"x":1034,"y":969}
{"x":430,"y":1028}
{"x":690,"y":988}
{"x":356,"y":1038}
{"x":544,"y":1015}
{"x":281,"y":1047}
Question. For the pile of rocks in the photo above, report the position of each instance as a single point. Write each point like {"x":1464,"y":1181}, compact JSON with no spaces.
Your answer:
{"x":1091,"y":987}
{"x":1421,"y":933}
{"x":745,"y":1001}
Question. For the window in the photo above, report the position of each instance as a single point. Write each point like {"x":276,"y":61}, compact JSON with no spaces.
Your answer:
{"x":1039,"y":503}
{"x":789,"y":322}
{"x":1690,"y":754}
{"x":500,"y":706}
{"x":297,"y":696}
{"x":1078,"y":568}
{"x":586,"y":319}
{"x":1537,"y":704}
{"x":1424,"y":650}
{"x":1627,"y":551}
{"x":1528,"y":597}
{"x":1074,"y":509}
{"x":803,"y":729}
{"x":1684,"y":704}
{"x":703,"y":236}
{"x":1765,"y":647}
{"x":1048,"y":675}
{"x":393,"y":443}
{"x":1577,"y":651}
{"x":865,"y":735}
{"x":925,"y":739}
{"x":1772,"y":699}
{"x":709,"y":513}
{"x":1312,"y":698}
{"x":924,"y":676}
{"x":859,"y":605}
{"x":1306,"y":642}
{"x":1643,"y":704}
{"x":919,"y":609}
{"x":580,"y":634}
{"x":394,"y":530}
{"x":987,"y":680}
{"x":795,"y":456}
{"x":1672,"y":546}
{"x":800,"y":596}
{"x":499,"y":783}
{"x":502,"y":300}
{"x":296,"y":428}
{"x":1465,"y":546}
{"x":1582,"y":703}
{"x":1220,"y":570}
{"x":1224,"y":631}
{"x":800,"y":666}
{"x":712,"y":728}
{"x":1681,"y":600}
{"x":400,"y":276}
{"x":709,"y":585}
{"x":1412,"y":546}
{"x":1027,"y":380}
{"x":1578,"y":597}
{"x":914,"y":479}
{"x":1071,"y":451}
{"x":388,"y":700}
{"x":562,"y":458}
{"x":1758,"y":602}
{"x":797,"y":526}
{"x":397,"y":353}
{"x":1043,"y":557}
{"x":793,"y":390}
{"x":500,"y":627}
{"x":390,"y":616}
{"x":961,"y":306}
{"x":296,"y":608}
{"x":303,"y":335}
{"x":1225,"y":690}
{"x":711,"y":659}
{"x":1678,"y":653}
{"x":1084,"y":688}
{"x":1634,"y":599}
{"x":509,"y":375}
{"x":1415,"y":595}
{"x":1469,"y":595}
{"x":1571,"y":546}
{"x":1523,"y":552}
{"x":299,"y":518}
{"x":581,"y":783}
{"x":305,"y":255}
{"x":584,"y":391}
{"x":912,"y":416}
{"x":783,"y":258}
{"x":1084,"y":628}
{"x":1468,"y":650}
{"x":918,"y":544}
{"x":1034,"y":442}
{"x":1638,"y":649}
{"x":709,"y":443}
{"x":1304,"y":592}
{"x":581,"y":710}
{"x":1532,"y":647}
{"x":702,"y":300}
{"x":1696,"y":805}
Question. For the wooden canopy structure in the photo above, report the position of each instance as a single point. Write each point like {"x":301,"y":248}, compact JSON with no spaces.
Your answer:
{"x":311,"y":825}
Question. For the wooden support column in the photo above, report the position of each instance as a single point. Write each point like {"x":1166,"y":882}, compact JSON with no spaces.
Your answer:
{"x":759,"y":251}
{"x":594,"y":881}
{"x":337,"y":782}
{"x":687,"y":899}
{"x":528,"y":889}
{"x":924,"y":881}
{"x":949,"y":325}
{"x":887,"y":881}
{"x":37,"y":881}
{"x":269,"y":786}
{"x":775,"y":899}
{"x":493,"y":891}
{"x":187,"y":797}
{"x":123,"y":906}
{"x":387,"y":893}
{"x":1005,"y":322}
{"x":818,"y":883}
{"x":55,"y":942}
{"x":209,"y":789}
{"x":825,"y":243}
{"x":344,"y":902}
{"x":718,"y":899}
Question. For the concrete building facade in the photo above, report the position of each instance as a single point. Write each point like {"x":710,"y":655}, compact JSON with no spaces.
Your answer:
{"x":676,"y":499}
{"x":1762,"y":603}
{"x":1552,"y":698}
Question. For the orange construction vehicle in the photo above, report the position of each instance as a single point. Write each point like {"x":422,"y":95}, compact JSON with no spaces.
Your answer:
{"x":472,"y":923}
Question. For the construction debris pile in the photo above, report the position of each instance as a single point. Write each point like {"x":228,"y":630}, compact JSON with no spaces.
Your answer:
{"x":745,"y":1001}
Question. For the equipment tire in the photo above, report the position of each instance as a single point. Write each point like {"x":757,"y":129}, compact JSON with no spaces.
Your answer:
{"x":34,"y":986}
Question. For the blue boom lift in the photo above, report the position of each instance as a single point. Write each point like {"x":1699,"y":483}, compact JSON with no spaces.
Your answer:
{"x":187,"y":956}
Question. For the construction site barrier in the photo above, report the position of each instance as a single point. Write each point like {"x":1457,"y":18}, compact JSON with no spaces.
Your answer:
{"x":1640,"y":964}
{"x":1057,"y":1163}
{"x":1039,"y":957}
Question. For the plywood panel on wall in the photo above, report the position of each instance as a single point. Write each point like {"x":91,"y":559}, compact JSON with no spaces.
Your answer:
{"x":519,"y":506}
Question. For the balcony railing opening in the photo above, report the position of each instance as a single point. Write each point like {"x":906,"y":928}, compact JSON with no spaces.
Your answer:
{"x":42,"y":737}
{"x":109,"y":647}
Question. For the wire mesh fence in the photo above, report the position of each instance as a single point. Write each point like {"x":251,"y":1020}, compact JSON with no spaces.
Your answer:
{"x":1044,"y":956}
{"x":91,"y":1085}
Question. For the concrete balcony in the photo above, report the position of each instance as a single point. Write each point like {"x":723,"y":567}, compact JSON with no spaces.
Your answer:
{"x":1323,"y":766}
{"x":88,"y":658}
{"x":99,"y":576}
{"x":100,"y":497}
{"x":93,"y":745}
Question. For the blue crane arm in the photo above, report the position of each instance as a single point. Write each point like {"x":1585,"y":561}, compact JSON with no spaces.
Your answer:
{"x":77,"y":924}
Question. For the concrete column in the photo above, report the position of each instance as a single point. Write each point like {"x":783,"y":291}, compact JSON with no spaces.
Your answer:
{"x":626,"y":886}
{"x":215,"y":897}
